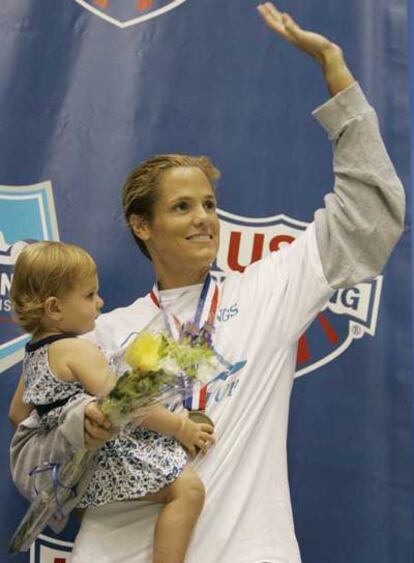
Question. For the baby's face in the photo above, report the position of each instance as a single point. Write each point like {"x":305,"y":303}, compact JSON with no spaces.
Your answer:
{"x":81,"y":306}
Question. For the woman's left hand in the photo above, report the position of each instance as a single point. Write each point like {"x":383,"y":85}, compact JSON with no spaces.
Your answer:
{"x":325,"y":52}
{"x":283,"y":24}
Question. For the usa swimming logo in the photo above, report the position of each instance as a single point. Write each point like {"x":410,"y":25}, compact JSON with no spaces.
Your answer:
{"x":124,"y":13}
{"x":27,"y":214}
{"x":351,"y":313}
{"x":50,"y":550}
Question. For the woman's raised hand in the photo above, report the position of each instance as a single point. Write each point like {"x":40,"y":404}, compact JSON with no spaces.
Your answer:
{"x":325,"y":52}
{"x":284,"y":25}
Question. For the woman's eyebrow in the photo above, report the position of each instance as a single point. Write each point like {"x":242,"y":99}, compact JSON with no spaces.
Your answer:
{"x":190,"y":197}
{"x":180,"y":198}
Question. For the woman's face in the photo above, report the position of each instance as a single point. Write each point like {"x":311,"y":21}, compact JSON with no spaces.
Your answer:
{"x":183,"y":236}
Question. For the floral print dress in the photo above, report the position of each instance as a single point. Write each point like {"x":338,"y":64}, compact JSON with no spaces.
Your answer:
{"x":135,"y":463}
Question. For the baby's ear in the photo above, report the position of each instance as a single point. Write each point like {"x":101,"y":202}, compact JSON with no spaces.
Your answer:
{"x":52,"y":308}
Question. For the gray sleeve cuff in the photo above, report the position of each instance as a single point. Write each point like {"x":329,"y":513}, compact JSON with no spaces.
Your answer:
{"x":337,"y":112}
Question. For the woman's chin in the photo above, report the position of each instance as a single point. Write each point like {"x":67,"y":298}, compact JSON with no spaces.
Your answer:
{"x":204,"y":256}
{"x":203,"y":265}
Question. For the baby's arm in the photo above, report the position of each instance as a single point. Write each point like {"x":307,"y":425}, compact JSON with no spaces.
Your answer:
{"x":191,"y":434}
{"x":76,"y":359}
{"x":71,"y":359}
{"x":80,"y":360}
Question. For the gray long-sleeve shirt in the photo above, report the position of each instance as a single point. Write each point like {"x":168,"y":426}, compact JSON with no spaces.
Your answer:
{"x":363,"y":218}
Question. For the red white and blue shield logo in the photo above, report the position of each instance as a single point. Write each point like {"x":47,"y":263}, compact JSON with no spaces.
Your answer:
{"x":350,"y":314}
{"x":27,"y":214}
{"x":124,"y":13}
{"x":50,"y":550}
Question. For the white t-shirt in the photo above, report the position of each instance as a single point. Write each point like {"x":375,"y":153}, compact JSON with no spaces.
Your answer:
{"x":247,"y":517}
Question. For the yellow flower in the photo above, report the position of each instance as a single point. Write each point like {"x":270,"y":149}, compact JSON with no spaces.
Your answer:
{"x":144,"y":352}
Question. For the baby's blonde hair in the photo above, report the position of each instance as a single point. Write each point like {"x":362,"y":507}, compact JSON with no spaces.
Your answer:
{"x":42,"y":270}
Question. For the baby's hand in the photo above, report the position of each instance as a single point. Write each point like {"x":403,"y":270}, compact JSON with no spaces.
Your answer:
{"x":195,"y":436}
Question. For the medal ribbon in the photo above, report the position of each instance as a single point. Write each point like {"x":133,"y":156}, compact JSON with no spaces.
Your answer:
{"x":208,"y":301}
{"x":206,"y":309}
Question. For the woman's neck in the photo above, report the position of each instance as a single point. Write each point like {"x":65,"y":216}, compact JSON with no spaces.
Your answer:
{"x":175,"y":280}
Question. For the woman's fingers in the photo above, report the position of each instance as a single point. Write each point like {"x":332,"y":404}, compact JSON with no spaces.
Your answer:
{"x":272,"y":17}
{"x":96,"y":416}
{"x":292,"y":28}
{"x":285,"y":26}
{"x":95,"y":436}
{"x":97,"y":428}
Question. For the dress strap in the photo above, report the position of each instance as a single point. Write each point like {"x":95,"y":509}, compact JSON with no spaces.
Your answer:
{"x":35,"y":345}
{"x":44,"y":409}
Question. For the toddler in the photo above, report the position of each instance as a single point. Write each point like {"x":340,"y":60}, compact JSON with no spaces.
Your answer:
{"x":55,"y":298}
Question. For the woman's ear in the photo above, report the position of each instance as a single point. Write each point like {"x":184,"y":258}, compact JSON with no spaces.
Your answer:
{"x":140,"y":226}
{"x":52,"y":308}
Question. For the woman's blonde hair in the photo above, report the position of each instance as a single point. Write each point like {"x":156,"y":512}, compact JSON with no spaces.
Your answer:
{"x":42,"y":270}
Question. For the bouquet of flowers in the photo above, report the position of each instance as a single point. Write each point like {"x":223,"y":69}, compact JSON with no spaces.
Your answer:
{"x":158,"y":369}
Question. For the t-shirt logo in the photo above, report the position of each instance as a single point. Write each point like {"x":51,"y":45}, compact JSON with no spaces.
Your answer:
{"x":33,"y":206}
{"x":126,"y":13}
{"x":351,"y":313}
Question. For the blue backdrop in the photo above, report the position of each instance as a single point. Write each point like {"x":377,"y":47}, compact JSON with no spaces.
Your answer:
{"x":90,"y":88}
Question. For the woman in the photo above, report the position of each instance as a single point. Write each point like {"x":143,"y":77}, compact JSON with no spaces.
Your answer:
{"x":169,"y":203}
